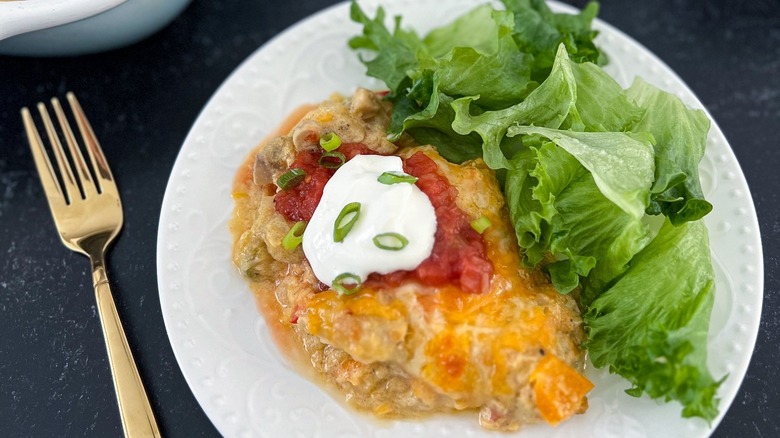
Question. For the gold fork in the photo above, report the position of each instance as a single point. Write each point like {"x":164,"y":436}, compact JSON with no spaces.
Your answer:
{"x":88,"y":216}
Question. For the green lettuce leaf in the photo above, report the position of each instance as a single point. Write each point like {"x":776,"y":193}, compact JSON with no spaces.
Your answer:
{"x":540,"y":31}
{"x":582,"y":163}
{"x":600,"y":103}
{"x":395,"y":51}
{"x":495,"y":68}
{"x":681,"y":135}
{"x":478,"y":56}
{"x":433,"y":124}
{"x":557,"y":208}
{"x":651,"y":325}
{"x":578,"y":97}
{"x":621,"y":164}
{"x":476,"y":29}
{"x":546,"y":106}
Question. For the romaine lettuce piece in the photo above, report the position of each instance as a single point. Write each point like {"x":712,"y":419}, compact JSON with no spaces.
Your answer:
{"x":433,"y":125}
{"x":395,"y":51}
{"x":476,"y":29}
{"x":681,"y":135}
{"x":620,"y":163}
{"x":601,"y":104}
{"x":546,"y":106}
{"x":480,"y":56}
{"x":540,"y":31}
{"x":651,"y":325}
{"x":557,"y":209}
{"x":494,"y":68}
{"x":577,"y":97}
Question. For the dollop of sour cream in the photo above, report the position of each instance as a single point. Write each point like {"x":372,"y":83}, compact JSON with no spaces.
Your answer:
{"x":384,"y":208}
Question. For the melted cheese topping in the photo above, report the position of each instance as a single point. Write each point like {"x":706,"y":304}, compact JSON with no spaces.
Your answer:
{"x":472,"y":347}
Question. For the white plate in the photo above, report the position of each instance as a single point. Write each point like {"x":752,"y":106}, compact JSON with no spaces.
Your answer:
{"x":221,"y":342}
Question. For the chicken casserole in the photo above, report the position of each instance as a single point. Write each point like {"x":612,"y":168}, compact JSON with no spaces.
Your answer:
{"x":467,"y":328}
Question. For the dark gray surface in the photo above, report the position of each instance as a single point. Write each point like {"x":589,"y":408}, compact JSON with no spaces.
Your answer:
{"x":54,"y":376}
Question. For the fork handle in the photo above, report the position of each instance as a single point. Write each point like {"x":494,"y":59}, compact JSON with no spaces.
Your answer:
{"x":134,"y":407}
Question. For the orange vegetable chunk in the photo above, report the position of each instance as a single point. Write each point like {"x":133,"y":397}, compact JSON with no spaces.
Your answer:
{"x":559,"y":389}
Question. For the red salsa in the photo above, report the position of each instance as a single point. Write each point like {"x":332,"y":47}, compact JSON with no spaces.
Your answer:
{"x":459,"y":254}
{"x":299,"y":202}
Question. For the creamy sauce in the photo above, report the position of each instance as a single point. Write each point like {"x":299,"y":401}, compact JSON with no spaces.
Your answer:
{"x":282,"y":334}
{"x":384,"y":208}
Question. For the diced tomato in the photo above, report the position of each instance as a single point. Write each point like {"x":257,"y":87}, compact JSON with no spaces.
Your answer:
{"x":298,"y":203}
{"x":296,"y":313}
{"x":459,"y":254}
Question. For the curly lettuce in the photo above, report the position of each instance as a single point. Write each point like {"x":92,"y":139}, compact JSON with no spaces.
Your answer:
{"x":588,"y":168}
{"x":657,"y":339}
{"x":680,"y":135}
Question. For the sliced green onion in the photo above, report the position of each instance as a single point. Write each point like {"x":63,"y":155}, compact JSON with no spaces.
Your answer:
{"x":347,"y":284}
{"x":294,"y":237}
{"x":332,"y":160}
{"x":391,"y":241}
{"x":291,"y":178}
{"x":330,"y":141}
{"x":345,"y":220}
{"x":481,"y":224}
{"x":396,"y":178}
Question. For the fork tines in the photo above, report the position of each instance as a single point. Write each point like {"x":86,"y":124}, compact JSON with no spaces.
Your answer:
{"x":86,"y":181}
